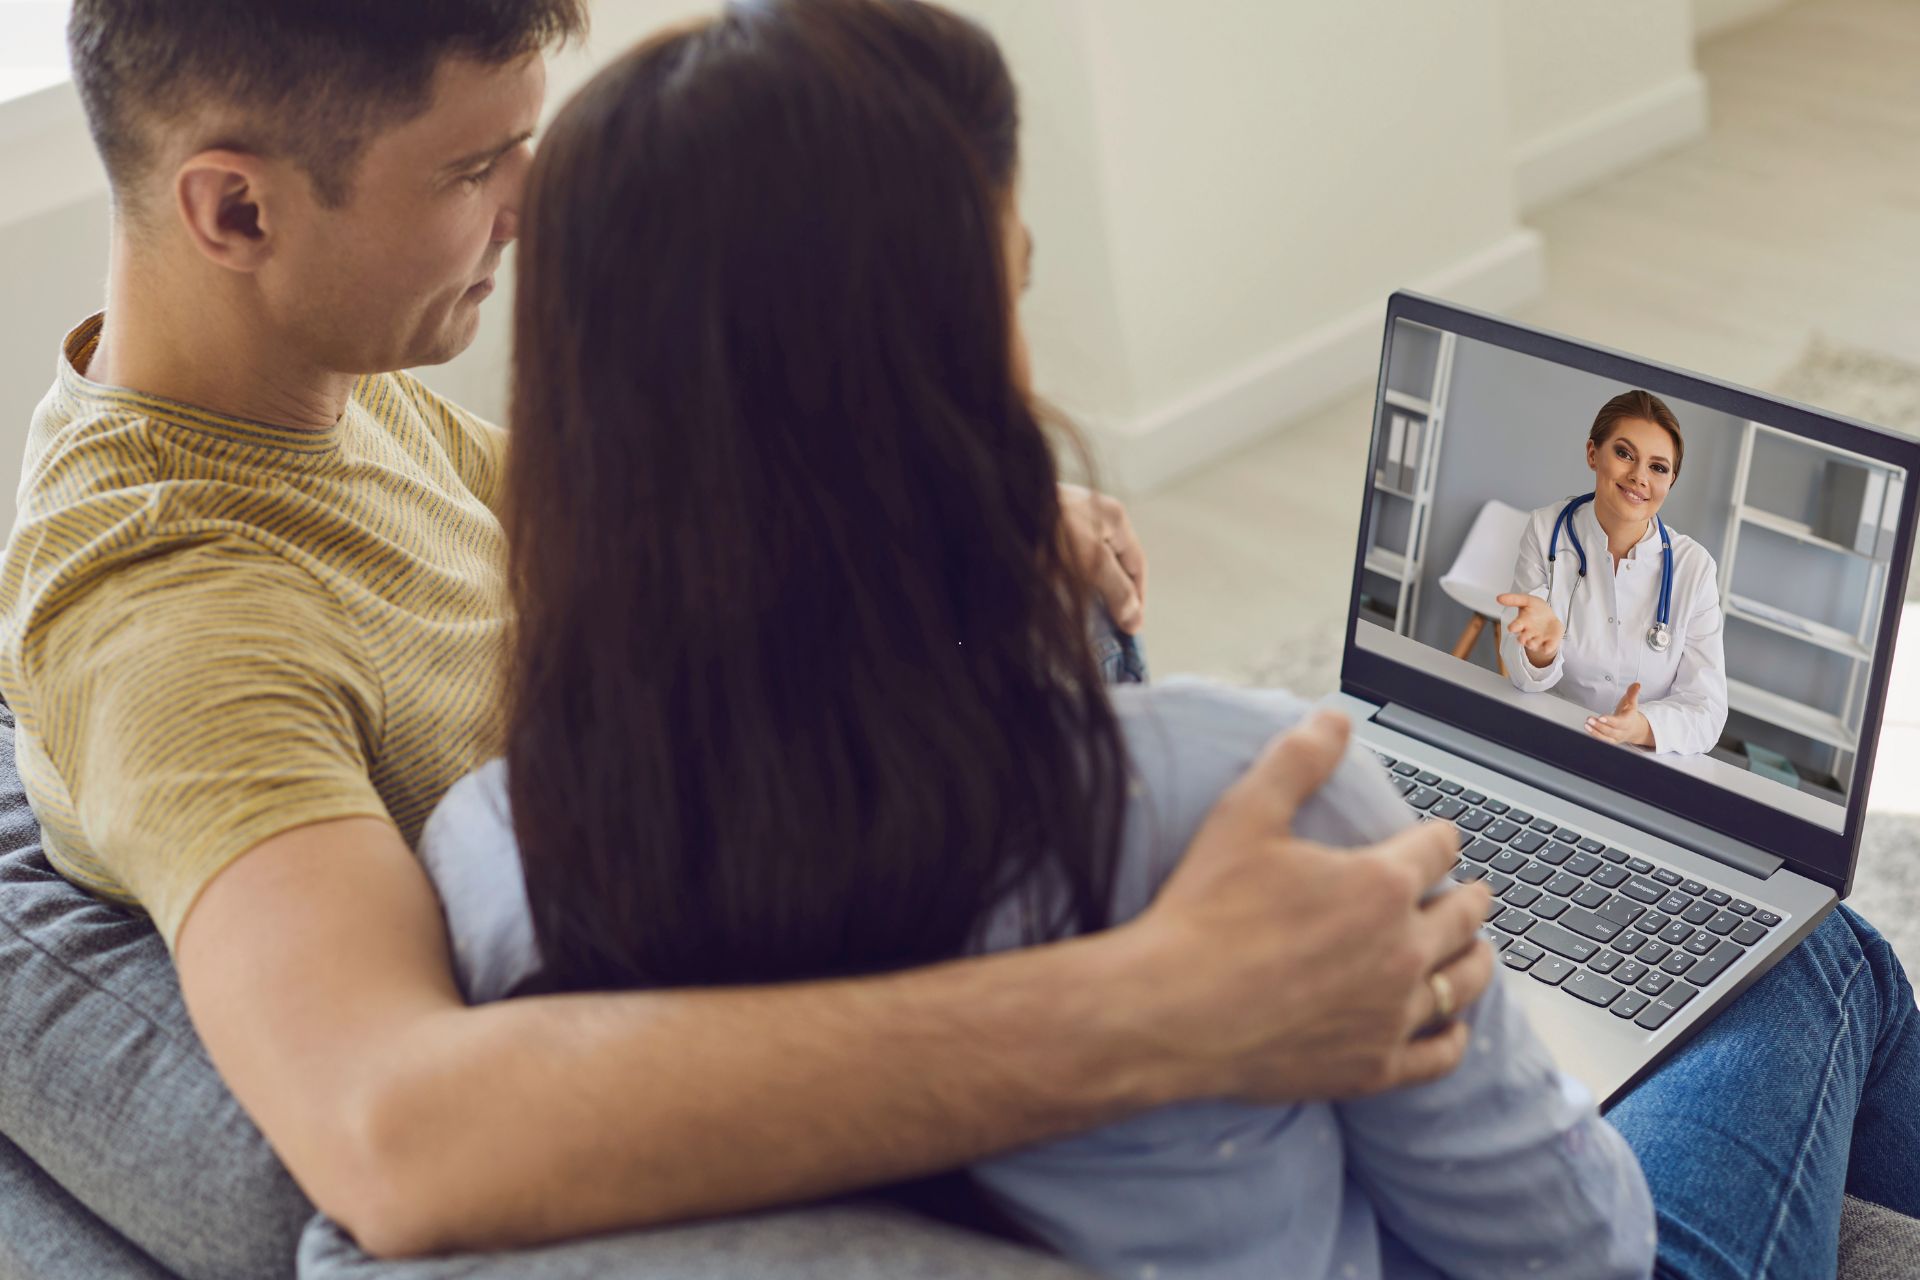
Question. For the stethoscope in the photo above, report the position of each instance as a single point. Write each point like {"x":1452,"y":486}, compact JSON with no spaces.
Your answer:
{"x":1659,"y":635}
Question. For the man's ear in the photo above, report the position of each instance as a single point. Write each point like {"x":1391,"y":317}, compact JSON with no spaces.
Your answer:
{"x":223,"y":198}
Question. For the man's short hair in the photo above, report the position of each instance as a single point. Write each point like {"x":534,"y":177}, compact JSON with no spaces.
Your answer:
{"x":312,"y":80}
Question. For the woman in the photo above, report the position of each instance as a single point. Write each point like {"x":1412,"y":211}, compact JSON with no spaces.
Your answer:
{"x":1632,"y":634}
{"x":802,"y":685}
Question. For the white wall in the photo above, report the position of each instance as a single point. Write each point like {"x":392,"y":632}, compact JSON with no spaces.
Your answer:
{"x":1593,"y":88}
{"x":1711,"y":17}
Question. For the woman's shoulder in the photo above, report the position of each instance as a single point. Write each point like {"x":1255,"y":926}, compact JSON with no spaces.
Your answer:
{"x":470,"y":854}
{"x":1691,"y":557}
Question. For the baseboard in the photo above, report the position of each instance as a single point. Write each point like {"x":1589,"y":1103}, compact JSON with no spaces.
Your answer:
{"x":1306,"y":374}
{"x":1609,"y":141}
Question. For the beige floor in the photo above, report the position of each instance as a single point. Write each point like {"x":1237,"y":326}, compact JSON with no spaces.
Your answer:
{"x":1798,"y":213}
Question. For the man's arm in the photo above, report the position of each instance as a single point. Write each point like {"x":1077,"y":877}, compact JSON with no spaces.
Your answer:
{"x":316,"y":970}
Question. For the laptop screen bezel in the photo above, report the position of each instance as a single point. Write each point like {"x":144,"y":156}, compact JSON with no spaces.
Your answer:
{"x":1818,"y":852}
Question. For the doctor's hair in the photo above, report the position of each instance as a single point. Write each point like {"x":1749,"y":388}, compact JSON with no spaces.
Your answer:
{"x":801,"y":681}
{"x":1645,"y":406}
{"x":313,"y":80}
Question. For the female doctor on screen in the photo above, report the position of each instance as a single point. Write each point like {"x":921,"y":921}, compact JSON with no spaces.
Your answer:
{"x":1612,"y":608}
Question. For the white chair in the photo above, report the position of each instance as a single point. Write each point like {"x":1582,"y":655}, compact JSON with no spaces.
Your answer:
{"x":1483,"y":570}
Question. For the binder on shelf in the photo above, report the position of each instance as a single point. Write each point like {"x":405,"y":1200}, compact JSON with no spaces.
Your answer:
{"x":1388,"y":473}
{"x":1416,"y":447}
{"x":1859,"y":507}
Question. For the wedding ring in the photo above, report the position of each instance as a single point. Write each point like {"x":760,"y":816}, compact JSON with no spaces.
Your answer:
{"x":1442,"y":996}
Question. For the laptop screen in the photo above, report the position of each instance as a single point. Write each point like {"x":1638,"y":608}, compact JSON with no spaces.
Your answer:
{"x":1697,"y":579}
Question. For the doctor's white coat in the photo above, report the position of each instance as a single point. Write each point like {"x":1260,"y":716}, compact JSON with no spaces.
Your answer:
{"x":1683,"y":692}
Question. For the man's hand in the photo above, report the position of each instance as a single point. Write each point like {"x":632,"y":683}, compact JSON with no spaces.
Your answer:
{"x":1281,"y":971}
{"x":1628,"y":725}
{"x":1537,"y":628}
{"x":1101,"y":540}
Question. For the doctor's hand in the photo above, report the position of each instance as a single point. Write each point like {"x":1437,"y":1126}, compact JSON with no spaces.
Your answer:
{"x":1271,"y":969}
{"x":1628,"y":725}
{"x":1537,"y":628}
{"x":1101,"y":541}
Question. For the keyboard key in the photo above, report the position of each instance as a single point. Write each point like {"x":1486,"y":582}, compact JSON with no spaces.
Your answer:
{"x":1551,"y":970}
{"x":1406,"y":770}
{"x":1590,"y":845}
{"x":1515,"y":961}
{"x":1529,"y":841}
{"x":1613,"y":855}
{"x":1740,"y":907}
{"x":1429,"y":779}
{"x":1467,"y":873}
{"x":1639,"y":865}
{"x":1591,"y":925}
{"x":1521,"y":895}
{"x":1480,"y":851}
{"x":1701,"y":943}
{"x":1654,"y":983}
{"x":1555,"y":854}
{"x":1502,"y":831}
{"x":1583,"y":864}
{"x":1655,"y":1015}
{"x":1526,"y":950}
{"x":1628,"y":1005}
{"x":1678,"y":963}
{"x":1725,"y":922}
{"x":1630,"y":972}
{"x":1642,"y":890}
{"x":1423,"y":798}
{"x":1520,"y":816}
{"x":1498,"y":883}
{"x":1605,"y":962}
{"x":1693,"y":887}
{"x":1494,"y":908}
{"x":1473,"y":820}
{"x":1545,"y":826}
{"x":1562,"y":943}
{"x":1653,"y":953}
{"x":1535,"y":873}
{"x":1611,"y":877}
{"x":1507,"y":861}
{"x":1719,"y":897}
{"x":1494,"y":806}
{"x":1746,"y":933}
{"x":1565,"y":886}
{"x":1713,"y":964}
{"x":1386,"y":759}
{"x":1676,"y":933}
{"x":1629,"y":941}
{"x":1514,"y":921}
{"x":1766,"y":918}
{"x":1448,"y":810}
{"x":1494,"y":936}
{"x":1653,"y":922}
{"x":1567,"y":835}
{"x":1451,"y":788}
{"x":1621,"y":911}
{"x":1701,"y":912}
{"x":1674,"y":903}
{"x":1665,"y":876}
{"x":1591,"y":987}
{"x":1591,"y":895}
{"x":1474,"y":797}
{"x":1549,"y":908}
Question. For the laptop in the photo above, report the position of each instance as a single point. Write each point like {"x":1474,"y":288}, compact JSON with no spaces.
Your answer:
{"x":1637,"y":892}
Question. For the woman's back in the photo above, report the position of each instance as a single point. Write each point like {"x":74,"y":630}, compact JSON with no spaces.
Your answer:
{"x":1502,"y":1169}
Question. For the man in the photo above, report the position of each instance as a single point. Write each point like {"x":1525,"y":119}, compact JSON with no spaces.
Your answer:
{"x":253,"y":612}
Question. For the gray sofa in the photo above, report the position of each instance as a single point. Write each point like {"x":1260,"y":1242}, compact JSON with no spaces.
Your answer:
{"x":192,"y":1192}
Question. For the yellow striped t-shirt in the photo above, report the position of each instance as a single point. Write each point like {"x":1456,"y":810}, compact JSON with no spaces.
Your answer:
{"x":213,"y":630}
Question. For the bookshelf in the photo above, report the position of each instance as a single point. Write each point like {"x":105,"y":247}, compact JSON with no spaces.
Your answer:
{"x":1407,"y":432}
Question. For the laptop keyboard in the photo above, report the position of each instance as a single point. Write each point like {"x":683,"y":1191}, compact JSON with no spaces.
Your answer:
{"x":1610,"y":928}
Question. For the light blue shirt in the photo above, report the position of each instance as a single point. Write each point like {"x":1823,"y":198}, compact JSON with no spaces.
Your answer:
{"x":1502,"y":1169}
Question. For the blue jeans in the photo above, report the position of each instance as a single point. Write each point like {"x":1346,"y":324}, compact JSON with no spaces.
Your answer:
{"x":1804,"y":1090}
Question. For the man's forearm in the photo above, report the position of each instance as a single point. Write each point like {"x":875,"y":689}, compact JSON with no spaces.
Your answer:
{"x":540,"y":1119}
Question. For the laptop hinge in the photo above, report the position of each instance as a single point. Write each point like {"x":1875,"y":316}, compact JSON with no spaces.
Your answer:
{"x":1569,"y":786}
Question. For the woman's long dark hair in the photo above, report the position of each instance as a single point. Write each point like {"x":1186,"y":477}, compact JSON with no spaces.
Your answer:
{"x":801,"y":677}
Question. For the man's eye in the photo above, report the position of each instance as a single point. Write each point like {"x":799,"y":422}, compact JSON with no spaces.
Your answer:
{"x":477,"y":178}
